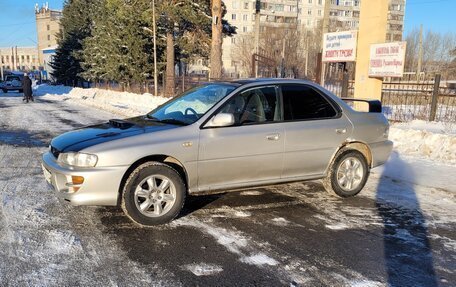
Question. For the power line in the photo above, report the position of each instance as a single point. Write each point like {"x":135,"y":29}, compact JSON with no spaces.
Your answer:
{"x":427,"y":2}
{"x":16,"y":24}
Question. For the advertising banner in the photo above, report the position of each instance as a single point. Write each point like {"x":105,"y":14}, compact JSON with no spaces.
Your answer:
{"x":387,"y":59}
{"x":339,"y":46}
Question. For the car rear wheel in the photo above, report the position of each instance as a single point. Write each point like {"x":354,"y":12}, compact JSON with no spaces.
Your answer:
{"x":153,"y":194}
{"x":347,"y":174}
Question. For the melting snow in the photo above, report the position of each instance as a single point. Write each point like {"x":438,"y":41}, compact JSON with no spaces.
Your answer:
{"x":203,"y":269}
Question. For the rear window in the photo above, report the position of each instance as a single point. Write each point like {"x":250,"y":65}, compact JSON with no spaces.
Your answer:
{"x":12,"y":78}
{"x":302,"y":102}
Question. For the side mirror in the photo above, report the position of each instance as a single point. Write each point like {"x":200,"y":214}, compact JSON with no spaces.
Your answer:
{"x":221,"y":120}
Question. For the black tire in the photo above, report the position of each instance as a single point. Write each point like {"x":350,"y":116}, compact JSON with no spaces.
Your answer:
{"x":5,"y":91}
{"x":331,"y":182}
{"x":130,"y":202}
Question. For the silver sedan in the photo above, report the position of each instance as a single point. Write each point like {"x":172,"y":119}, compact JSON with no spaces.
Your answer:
{"x":219,"y":136}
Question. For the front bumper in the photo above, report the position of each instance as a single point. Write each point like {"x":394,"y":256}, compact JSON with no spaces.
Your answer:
{"x":100,"y":187}
{"x":380,"y":152}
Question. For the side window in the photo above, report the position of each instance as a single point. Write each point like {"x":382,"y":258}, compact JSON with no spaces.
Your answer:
{"x":302,"y":102}
{"x":257,"y":105}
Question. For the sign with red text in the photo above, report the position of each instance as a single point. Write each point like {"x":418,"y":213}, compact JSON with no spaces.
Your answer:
{"x":339,"y":46}
{"x":387,"y":59}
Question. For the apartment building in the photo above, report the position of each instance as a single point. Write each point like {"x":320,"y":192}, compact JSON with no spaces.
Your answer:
{"x":47,"y":27}
{"x":297,"y":14}
{"x":19,"y":58}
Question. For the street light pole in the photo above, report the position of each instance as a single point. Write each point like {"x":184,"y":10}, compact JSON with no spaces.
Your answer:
{"x":257,"y":34}
{"x":1,"y":65}
{"x":154,"y":28}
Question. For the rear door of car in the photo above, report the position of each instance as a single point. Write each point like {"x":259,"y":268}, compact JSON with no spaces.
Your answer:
{"x":314,"y":128}
{"x":249,"y":151}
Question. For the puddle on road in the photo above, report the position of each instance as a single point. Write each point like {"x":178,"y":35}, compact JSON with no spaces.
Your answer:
{"x":20,"y":138}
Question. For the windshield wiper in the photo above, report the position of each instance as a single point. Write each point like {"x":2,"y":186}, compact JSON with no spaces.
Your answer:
{"x":167,"y":121}
{"x":174,"y":122}
{"x":152,"y":118}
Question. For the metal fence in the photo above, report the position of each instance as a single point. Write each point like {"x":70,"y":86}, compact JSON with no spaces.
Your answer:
{"x":403,"y":99}
{"x":406,"y":98}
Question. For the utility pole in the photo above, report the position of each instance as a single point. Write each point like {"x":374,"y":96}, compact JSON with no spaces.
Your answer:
{"x":17,"y":59}
{"x":257,"y":34}
{"x":420,"y":54}
{"x":325,"y":29}
{"x":1,"y":64}
{"x":13,"y":58}
{"x":154,"y":30}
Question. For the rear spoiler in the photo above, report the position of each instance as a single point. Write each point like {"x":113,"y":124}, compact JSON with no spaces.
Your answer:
{"x":375,"y":106}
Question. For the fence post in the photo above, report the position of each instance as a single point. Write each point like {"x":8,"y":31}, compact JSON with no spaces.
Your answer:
{"x":435,"y":95}
{"x":344,"y":93}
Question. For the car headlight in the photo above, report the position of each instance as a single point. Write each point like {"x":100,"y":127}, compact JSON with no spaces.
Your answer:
{"x":78,"y":159}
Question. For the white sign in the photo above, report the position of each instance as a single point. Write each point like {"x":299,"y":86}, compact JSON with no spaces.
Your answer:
{"x":339,"y":46}
{"x":387,"y":59}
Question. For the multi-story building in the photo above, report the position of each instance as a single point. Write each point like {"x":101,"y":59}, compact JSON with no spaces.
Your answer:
{"x":47,"y":27}
{"x":297,"y":14}
{"x":273,"y":14}
{"x":19,"y":58}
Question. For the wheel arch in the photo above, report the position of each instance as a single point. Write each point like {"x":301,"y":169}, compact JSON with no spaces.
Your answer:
{"x":359,"y":146}
{"x":165,"y":159}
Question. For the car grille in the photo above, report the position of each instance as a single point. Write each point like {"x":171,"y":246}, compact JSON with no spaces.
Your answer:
{"x":55,"y":152}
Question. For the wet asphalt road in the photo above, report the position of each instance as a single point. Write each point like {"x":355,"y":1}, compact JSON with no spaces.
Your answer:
{"x":287,"y":235}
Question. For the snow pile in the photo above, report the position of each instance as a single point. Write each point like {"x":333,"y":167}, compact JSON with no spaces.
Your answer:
{"x":430,"y":140}
{"x":123,"y":103}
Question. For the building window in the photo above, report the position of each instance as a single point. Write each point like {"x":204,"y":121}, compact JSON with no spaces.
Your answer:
{"x":244,"y":17}
{"x":246,"y":5}
{"x":310,"y":1}
{"x":319,"y":12}
{"x":233,"y":40}
{"x":233,"y":17}
{"x":244,"y":29}
{"x":28,"y":58}
{"x":48,"y":27}
{"x":49,"y":37}
{"x":309,"y":12}
{"x":320,"y":2}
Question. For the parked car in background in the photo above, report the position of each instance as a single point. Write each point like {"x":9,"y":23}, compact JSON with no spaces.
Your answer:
{"x":12,"y":83}
{"x":219,"y":136}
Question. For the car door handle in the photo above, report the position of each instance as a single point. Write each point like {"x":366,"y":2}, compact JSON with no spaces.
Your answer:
{"x":273,"y":137}
{"x":341,"y":131}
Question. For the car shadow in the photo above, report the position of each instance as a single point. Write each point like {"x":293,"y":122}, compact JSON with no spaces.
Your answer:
{"x":407,"y":249}
{"x":112,"y":216}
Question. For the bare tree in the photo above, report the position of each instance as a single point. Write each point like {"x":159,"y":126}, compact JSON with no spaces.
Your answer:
{"x":437,"y":52}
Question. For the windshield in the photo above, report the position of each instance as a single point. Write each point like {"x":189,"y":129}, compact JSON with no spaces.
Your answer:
{"x":192,"y":105}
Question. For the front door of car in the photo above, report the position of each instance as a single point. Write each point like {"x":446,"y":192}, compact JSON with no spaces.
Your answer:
{"x":314,"y":129}
{"x":248,"y":151}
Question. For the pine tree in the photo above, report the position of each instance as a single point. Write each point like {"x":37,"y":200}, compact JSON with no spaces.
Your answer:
{"x":120,"y":47}
{"x":76,"y":26}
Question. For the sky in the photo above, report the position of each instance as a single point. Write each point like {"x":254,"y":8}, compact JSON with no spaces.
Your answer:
{"x":17,"y":19}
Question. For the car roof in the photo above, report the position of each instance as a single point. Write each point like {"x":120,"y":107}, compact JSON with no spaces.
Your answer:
{"x":260,"y":81}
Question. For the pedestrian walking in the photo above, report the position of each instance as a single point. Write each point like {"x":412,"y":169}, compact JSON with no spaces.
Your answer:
{"x":27,"y":88}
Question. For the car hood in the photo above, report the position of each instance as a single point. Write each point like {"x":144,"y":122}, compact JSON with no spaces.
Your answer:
{"x":112,"y":130}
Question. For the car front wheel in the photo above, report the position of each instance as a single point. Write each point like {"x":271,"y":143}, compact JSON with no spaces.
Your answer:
{"x":153,"y":194}
{"x":347,"y":174}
